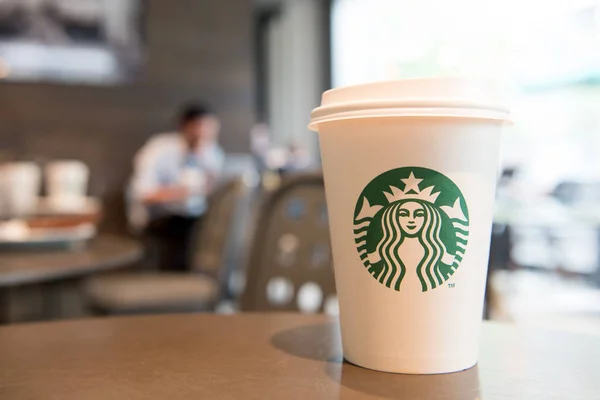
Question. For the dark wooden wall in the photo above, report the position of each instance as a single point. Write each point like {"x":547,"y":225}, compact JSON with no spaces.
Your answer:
{"x":195,"y":49}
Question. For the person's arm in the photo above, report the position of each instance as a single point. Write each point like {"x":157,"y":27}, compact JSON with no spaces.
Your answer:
{"x":166,"y":194}
{"x":215,"y":169}
{"x":146,"y":184}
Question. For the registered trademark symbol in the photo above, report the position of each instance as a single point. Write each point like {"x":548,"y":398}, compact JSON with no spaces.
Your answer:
{"x":451,"y":285}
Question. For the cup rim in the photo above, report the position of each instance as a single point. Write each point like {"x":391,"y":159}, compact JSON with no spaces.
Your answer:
{"x":422,"y":97}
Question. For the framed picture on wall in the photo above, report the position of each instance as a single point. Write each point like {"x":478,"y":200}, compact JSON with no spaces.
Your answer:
{"x":78,"y":41}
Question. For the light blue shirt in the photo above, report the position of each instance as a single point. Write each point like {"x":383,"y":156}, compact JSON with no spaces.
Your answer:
{"x":164,"y":161}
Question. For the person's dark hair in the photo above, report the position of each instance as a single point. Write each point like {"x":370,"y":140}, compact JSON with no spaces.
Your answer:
{"x":193,"y":111}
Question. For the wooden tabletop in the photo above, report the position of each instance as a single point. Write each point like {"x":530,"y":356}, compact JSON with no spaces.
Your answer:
{"x":35,"y":266}
{"x":276,"y":356}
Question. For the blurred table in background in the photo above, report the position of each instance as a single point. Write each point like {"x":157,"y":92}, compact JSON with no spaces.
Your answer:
{"x":549,"y":235}
{"x":30,"y":266}
{"x":99,"y":255}
{"x":272,"y":356}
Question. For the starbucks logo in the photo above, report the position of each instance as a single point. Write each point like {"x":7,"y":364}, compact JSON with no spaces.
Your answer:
{"x":411,"y":224}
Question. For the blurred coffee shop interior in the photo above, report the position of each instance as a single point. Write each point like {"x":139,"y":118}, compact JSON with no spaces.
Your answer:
{"x":87,"y":85}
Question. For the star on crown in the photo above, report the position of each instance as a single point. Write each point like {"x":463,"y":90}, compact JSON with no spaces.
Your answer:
{"x":412,"y":191}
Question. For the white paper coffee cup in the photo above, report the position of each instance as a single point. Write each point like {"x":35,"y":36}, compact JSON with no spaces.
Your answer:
{"x":67,"y":184}
{"x":410,"y":171}
{"x":21,"y":185}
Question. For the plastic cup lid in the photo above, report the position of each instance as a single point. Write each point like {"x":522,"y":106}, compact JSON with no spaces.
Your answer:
{"x":432,"y":97}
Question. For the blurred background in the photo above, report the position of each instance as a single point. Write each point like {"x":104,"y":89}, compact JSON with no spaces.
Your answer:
{"x":154,"y":155}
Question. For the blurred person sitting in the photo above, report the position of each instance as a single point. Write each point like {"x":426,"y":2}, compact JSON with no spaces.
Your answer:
{"x":298,"y":159}
{"x":173,"y":174}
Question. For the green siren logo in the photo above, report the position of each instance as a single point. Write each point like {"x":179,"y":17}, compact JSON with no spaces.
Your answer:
{"x":411,"y":223}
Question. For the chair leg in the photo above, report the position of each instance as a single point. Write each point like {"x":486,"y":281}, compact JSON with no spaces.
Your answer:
{"x":4,"y":306}
{"x":489,"y":296}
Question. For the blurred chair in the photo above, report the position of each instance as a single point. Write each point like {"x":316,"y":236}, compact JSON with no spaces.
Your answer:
{"x":500,"y":248}
{"x":199,"y":290}
{"x":290,"y":266}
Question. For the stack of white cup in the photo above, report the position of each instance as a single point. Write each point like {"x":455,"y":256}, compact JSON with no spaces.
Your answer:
{"x":20,"y":183}
{"x":67,"y":185}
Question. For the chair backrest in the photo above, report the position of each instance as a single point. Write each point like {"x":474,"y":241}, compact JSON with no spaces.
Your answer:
{"x":290,"y":261}
{"x":212,"y":237}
